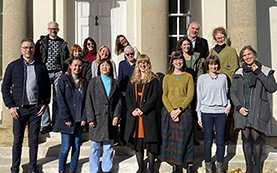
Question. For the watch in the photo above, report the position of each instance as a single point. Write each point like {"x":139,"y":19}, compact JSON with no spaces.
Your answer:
{"x":181,"y":109}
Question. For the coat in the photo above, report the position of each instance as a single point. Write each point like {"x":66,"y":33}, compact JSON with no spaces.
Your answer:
{"x":148,"y":107}
{"x":102,"y":110}
{"x":259,"y":111}
{"x":67,"y":105}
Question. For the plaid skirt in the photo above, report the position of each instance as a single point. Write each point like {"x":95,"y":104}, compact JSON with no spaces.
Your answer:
{"x":177,"y":138}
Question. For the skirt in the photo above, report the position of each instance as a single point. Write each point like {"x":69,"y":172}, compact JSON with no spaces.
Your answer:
{"x":177,"y":138}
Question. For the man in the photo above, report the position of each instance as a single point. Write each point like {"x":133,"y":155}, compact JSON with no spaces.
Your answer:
{"x":52,"y":51}
{"x":125,"y":71}
{"x":199,"y":44}
{"x":26,"y":92}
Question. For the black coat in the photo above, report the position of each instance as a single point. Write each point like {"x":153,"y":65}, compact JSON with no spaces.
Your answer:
{"x":148,"y":107}
{"x":66,"y":103}
{"x":201,"y":46}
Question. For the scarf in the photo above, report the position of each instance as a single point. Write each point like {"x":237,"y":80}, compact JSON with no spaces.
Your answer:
{"x":253,"y":75}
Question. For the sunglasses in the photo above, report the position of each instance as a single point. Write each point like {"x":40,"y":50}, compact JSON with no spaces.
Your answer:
{"x":90,"y":44}
{"x":128,"y":54}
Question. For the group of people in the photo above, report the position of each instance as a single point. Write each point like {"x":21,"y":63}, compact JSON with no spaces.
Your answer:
{"x":200,"y":86}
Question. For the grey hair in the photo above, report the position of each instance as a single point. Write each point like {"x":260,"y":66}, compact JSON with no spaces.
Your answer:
{"x":128,"y":47}
{"x":55,"y":23}
{"x":195,"y":23}
{"x":249,"y":47}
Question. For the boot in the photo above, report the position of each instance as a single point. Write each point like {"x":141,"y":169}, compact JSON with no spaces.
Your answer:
{"x":256,"y":168}
{"x":189,"y":168}
{"x":219,"y":167}
{"x":249,"y":168}
{"x":149,"y":171}
{"x":208,"y":167}
{"x":175,"y":168}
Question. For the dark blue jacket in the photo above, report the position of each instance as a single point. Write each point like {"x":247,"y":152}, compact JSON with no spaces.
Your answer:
{"x":67,"y":105}
{"x":13,"y":88}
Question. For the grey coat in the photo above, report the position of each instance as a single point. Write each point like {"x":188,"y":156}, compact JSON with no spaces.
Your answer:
{"x":259,"y":111}
{"x":102,"y":110}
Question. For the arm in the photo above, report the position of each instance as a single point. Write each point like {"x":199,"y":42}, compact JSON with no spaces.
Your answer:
{"x":6,"y":88}
{"x":268,"y":81}
{"x":61,"y":99}
{"x":120,"y":73}
{"x":129,"y":98}
{"x":190,"y":93}
{"x":118,"y":107}
{"x":199,"y":96}
{"x":137,"y":53}
{"x":165,"y":99}
{"x":234,"y":94}
{"x":233,"y":62}
{"x":93,"y":69}
{"x":114,"y":71}
{"x":89,"y":102}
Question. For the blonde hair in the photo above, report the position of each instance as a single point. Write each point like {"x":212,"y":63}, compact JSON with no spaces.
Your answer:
{"x":98,"y":58}
{"x":149,"y":75}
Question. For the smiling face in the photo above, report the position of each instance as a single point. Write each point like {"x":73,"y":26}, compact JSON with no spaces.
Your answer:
{"x":76,"y":67}
{"x":53,"y":30}
{"x":220,"y":39}
{"x":90,"y":46}
{"x":130,"y":55}
{"x":123,"y":41}
{"x":178,"y":63}
{"x":77,"y":53}
{"x":185,"y":46}
{"x":193,"y":30}
{"x":248,"y":57}
{"x":27,"y":49}
{"x":213,"y":66}
{"x":105,"y":69}
{"x":104,"y":53}
{"x":142,"y":66}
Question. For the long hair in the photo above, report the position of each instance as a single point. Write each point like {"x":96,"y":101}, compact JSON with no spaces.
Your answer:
{"x":119,"y":48}
{"x":111,"y":67}
{"x":149,"y":75}
{"x":180,"y":42}
{"x":98,"y":58}
{"x":76,"y":47}
{"x":80,"y":75}
{"x":85,"y":48}
{"x":176,"y":55}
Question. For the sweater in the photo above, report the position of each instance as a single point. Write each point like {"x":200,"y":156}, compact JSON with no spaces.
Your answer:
{"x":90,"y":57}
{"x":125,"y":71}
{"x":107,"y":84}
{"x":212,"y":94}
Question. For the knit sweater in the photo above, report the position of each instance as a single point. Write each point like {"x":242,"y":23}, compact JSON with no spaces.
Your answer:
{"x":212,"y":94}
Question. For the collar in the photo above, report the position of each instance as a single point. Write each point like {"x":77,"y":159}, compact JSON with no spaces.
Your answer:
{"x":127,"y":62}
{"x":32,"y":63}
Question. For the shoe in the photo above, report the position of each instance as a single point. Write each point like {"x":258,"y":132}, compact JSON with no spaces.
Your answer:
{"x":72,"y":172}
{"x":219,"y":167}
{"x":61,"y":172}
{"x":256,"y":168}
{"x":208,"y":167}
{"x":33,"y":171}
{"x":149,"y":171}
{"x":189,"y":169}
{"x":175,"y":169}
{"x":139,"y":171}
{"x":46,"y":129}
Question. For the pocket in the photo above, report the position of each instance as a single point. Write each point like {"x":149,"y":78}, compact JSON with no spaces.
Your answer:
{"x":264,"y":111}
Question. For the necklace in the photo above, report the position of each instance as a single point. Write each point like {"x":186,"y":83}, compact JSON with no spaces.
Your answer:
{"x":213,"y":77}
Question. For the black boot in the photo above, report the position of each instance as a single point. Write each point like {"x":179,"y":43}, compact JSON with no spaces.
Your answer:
{"x":256,"y":168}
{"x":249,"y":168}
{"x":139,"y":171}
{"x":175,"y":168}
{"x":189,"y":168}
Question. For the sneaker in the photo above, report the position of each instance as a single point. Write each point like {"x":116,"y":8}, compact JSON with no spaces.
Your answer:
{"x":46,"y":129}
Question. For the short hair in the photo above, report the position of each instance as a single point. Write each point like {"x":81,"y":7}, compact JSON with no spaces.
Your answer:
{"x":128,"y":47}
{"x":27,"y":40}
{"x":249,"y":47}
{"x":219,"y":30}
{"x":195,"y":23}
{"x":180,"y":42}
{"x":176,"y":55}
{"x":76,"y":47}
{"x":210,"y":60}
{"x":85,"y":48}
{"x":111,"y":67}
{"x":53,"y":22}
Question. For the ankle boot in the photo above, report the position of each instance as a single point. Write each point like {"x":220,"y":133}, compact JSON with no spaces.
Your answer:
{"x":256,"y":168}
{"x":175,"y":168}
{"x":208,"y":167}
{"x":249,"y":168}
{"x":189,"y":169}
{"x":219,"y":167}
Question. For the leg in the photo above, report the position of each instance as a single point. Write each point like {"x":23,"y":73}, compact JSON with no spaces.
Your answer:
{"x":247,"y":148}
{"x":55,"y":109}
{"x":65,"y":147}
{"x":94,"y":156}
{"x":107,"y":157}
{"x":207,"y":121}
{"x":139,"y":156}
{"x":122,"y":121}
{"x":257,"y":148}
{"x":220,"y":122}
{"x":151,"y":158}
{"x":77,"y":141}
{"x":34,"y":127}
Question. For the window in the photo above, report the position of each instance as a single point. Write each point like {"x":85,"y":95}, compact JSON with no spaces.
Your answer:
{"x":179,"y":19}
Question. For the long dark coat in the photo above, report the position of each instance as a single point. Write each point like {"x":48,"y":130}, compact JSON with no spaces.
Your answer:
{"x":102,"y":110}
{"x":148,"y":107}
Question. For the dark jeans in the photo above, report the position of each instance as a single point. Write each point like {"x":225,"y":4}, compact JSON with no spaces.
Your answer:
{"x":28,"y":114}
{"x":219,"y":120}
{"x":123,"y":118}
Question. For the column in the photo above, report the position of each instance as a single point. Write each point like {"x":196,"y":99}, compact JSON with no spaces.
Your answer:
{"x":154,"y":33}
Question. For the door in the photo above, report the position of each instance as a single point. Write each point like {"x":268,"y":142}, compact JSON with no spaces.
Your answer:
{"x":93,"y":20}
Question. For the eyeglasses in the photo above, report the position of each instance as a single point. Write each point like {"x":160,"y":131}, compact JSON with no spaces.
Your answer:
{"x":123,"y":40}
{"x":219,"y":38}
{"x":128,"y":54}
{"x":27,"y":48}
{"x":53,"y":29}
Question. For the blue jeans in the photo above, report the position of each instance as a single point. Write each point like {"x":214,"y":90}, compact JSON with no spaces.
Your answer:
{"x":219,"y":120}
{"x":45,"y":118}
{"x":107,"y":157}
{"x":68,"y":141}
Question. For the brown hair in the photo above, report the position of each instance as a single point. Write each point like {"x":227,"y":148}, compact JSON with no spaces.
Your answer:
{"x":176,"y":55}
{"x":211,"y":59}
{"x":85,"y":48}
{"x":180,"y":42}
{"x":80,"y":75}
{"x":76,"y":47}
{"x":219,"y":30}
{"x":98,"y":58}
{"x":119,"y":48}
{"x":249,"y":48}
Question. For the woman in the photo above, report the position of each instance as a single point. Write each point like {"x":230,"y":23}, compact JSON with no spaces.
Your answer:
{"x":120,"y":43}
{"x":103,"y":109}
{"x":103,"y":53}
{"x":90,"y":49}
{"x":249,"y":93}
{"x":76,"y":51}
{"x":212,"y":108}
{"x":141,"y":118}
{"x":177,"y":121}
{"x":71,"y":118}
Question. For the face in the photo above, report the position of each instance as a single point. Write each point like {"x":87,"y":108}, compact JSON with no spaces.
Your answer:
{"x":104,"y":53}
{"x":193,"y":30}
{"x":90,"y":46}
{"x":27,"y":49}
{"x":185,"y":46}
{"x":105,"y":69}
{"x":53,"y":30}
{"x":77,"y":53}
{"x":142,"y":66}
{"x":130,"y":55}
{"x":178,"y":63}
{"x":213,"y":67}
{"x":123,"y":41}
{"x":75,"y":67}
{"x":220,"y":39}
{"x":248,"y":57}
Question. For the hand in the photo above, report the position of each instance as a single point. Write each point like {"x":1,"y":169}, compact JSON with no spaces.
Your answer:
{"x":42,"y":110}
{"x":243,"y":111}
{"x":200,"y":122}
{"x":92,"y":124}
{"x":174,"y":115}
{"x":83,"y":123}
{"x":254,"y":67}
{"x":135,"y":113}
{"x":139,"y":112}
{"x":115,"y":121}
{"x":14,"y":113}
{"x":227,"y":110}
{"x":68,"y":123}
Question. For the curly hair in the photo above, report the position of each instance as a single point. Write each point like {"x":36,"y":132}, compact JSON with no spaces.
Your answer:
{"x":119,"y":48}
{"x":180,"y":42}
{"x":219,"y":30}
{"x":85,"y":48}
{"x":98,"y":58}
{"x":76,"y":47}
{"x":149,"y":75}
